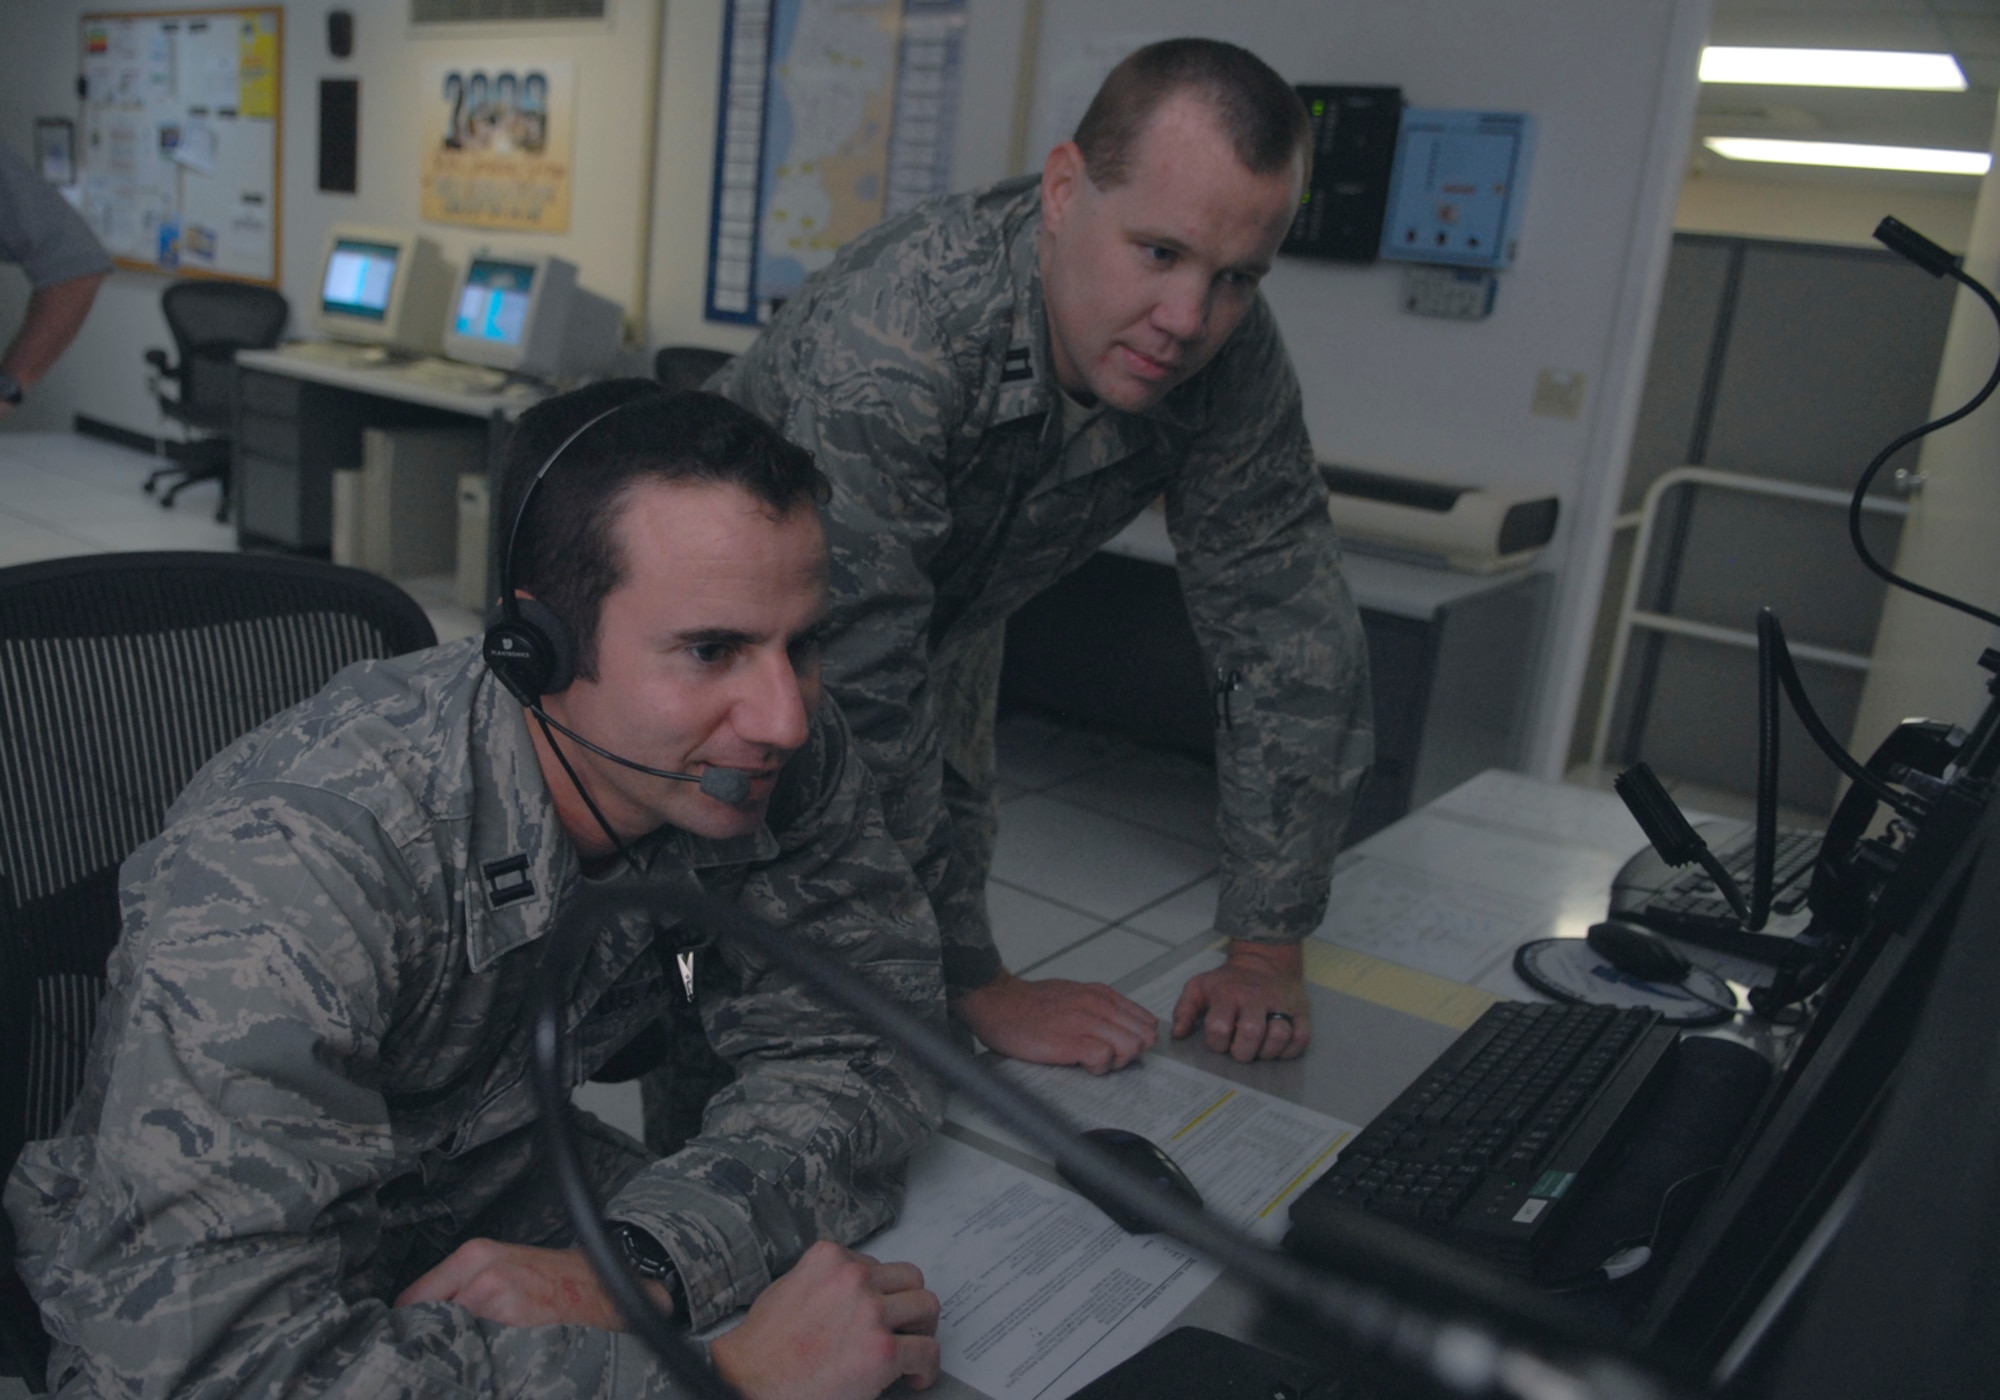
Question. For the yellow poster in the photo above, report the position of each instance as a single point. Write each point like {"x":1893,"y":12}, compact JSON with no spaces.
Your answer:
{"x":257,"y":67}
{"x":496,"y":144}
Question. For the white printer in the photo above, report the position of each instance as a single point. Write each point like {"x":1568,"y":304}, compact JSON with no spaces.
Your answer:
{"x":1475,"y":529}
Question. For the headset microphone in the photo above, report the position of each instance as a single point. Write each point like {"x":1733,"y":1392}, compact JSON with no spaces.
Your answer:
{"x":731,"y":785}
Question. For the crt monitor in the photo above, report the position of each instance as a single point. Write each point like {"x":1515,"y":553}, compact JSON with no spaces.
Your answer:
{"x":380,"y":286}
{"x":526,"y":314}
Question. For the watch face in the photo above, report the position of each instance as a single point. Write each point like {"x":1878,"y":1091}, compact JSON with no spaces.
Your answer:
{"x":649,"y":1257}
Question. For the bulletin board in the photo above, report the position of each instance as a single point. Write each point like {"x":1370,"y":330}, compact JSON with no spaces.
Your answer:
{"x":179,"y":160}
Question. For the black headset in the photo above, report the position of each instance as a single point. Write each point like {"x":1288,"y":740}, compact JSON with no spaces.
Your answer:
{"x":533,"y":652}
{"x":528,"y":647}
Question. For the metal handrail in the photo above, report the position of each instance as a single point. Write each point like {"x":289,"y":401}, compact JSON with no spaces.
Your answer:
{"x":1631,"y":615}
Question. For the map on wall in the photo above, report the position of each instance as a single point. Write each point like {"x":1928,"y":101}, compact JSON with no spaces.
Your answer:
{"x":834,"y":114}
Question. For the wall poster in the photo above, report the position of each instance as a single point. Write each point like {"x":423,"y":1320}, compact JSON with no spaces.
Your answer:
{"x":496,"y":139}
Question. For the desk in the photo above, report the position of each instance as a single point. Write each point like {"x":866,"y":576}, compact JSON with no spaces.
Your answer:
{"x":297,"y":421}
{"x":1451,"y":655}
{"x":1418,"y":941}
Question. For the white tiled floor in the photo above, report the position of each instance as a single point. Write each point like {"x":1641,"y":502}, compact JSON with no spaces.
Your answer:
{"x":64,"y":494}
{"x":1106,"y":855}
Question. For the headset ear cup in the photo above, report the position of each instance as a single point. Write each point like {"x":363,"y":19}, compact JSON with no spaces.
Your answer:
{"x":556,"y":644}
{"x":530,"y":650}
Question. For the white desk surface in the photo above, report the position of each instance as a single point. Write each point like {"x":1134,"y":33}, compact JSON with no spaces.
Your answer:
{"x":388,"y":381}
{"x":1417,"y":942}
{"x":1380,"y":585}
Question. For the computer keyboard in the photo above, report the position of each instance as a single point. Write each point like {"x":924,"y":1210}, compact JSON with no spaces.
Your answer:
{"x":1686,"y":903}
{"x":453,"y":377}
{"x":339,"y":354}
{"x":1497,"y":1141}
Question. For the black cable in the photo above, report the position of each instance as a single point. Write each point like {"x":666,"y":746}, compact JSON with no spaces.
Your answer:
{"x":631,"y":861}
{"x":1957,"y":274}
{"x":554,"y":970}
{"x":1553,"y":1351}
{"x":1900,"y":803}
{"x":1764,"y":858}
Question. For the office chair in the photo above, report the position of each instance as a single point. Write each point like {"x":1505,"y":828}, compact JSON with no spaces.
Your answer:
{"x":120,"y":676}
{"x":210,"y":322}
{"x":687,"y":366}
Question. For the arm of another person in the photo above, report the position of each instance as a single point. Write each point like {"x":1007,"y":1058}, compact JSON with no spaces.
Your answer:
{"x":811,"y":1139}
{"x":63,"y":260}
{"x":55,"y":314}
{"x":205,"y":1238}
{"x":1260,"y":568}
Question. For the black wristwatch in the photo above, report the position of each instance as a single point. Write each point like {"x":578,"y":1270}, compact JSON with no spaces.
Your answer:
{"x":649,"y":1259}
{"x":10,"y":388}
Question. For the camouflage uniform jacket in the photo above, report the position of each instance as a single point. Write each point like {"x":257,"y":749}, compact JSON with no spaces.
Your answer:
{"x":312,"y":1073}
{"x":917,"y":368}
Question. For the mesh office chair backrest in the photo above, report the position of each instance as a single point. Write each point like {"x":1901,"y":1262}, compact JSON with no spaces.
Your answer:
{"x":210,"y":322}
{"x":120,"y":676}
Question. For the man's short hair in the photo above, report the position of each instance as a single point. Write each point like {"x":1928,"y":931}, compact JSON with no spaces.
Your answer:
{"x":565,"y":551}
{"x":1258,"y":111}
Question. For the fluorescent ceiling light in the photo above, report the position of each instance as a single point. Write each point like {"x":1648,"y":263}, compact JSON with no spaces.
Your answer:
{"x":1849,"y":68}
{"x":1852,"y":156}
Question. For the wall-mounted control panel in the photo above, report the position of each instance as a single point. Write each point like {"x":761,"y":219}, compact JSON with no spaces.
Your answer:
{"x":1458,"y":187}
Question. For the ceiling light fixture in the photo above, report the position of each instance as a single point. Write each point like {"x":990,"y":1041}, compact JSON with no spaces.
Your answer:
{"x":1851,"y":156}
{"x":1848,"y":68}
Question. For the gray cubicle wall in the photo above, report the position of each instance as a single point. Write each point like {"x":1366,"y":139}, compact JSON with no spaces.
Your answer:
{"x":1794,"y":362}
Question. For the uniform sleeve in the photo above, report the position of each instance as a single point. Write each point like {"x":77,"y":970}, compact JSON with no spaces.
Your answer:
{"x":865,"y":379}
{"x":811,"y":1139}
{"x":200,"y":1229}
{"x":1260,"y":568}
{"x":40,"y":231}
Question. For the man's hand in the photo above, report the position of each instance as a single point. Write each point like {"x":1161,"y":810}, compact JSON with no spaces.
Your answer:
{"x":523,"y":1286}
{"x":839,"y":1326}
{"x":1253,"y":1007}
{"x":1054,"y":1022}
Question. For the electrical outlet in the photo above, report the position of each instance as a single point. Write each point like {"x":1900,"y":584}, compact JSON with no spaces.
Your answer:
{"x":1558,"y":394}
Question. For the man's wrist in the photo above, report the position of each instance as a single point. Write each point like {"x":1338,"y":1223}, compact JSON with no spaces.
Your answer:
{"x":650,"y":1261}
{"x":12,"y":390}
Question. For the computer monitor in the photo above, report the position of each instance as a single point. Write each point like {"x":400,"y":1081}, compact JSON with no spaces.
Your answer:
{"x":526,"y":314}
{"x":381,"y":286}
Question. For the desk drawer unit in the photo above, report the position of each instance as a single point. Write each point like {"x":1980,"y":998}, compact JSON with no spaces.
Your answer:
{"x":291,"y":435}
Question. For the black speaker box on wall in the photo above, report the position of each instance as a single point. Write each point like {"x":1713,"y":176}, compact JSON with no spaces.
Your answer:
{"x":339,"y":33}
{"x":339,"y":135}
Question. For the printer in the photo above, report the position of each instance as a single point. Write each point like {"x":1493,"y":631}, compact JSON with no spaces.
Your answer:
{"x":1474,"y":529}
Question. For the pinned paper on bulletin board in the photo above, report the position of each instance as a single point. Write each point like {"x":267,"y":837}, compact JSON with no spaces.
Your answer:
{"x":178,"y":157}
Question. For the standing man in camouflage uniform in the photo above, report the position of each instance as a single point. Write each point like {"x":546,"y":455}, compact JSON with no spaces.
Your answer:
{"x":303,"y":1162}
{"x":997,"y":383}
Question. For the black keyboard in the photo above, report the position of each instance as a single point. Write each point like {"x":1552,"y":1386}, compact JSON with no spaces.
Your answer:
{"x":1498,"y":1140}
{"x":1685,"y":902}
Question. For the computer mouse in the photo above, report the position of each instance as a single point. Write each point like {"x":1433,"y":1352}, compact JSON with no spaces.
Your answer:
{"x":1153,"y":1166}
{"x":1638,"y":951}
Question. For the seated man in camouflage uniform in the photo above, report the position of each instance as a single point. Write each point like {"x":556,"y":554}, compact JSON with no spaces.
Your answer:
{"x":998,"y":382}
{"x":303,"y":1162}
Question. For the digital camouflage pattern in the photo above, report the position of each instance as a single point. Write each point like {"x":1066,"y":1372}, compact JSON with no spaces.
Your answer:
{"x":917,"y":367}
{"x":311,"y":1078}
